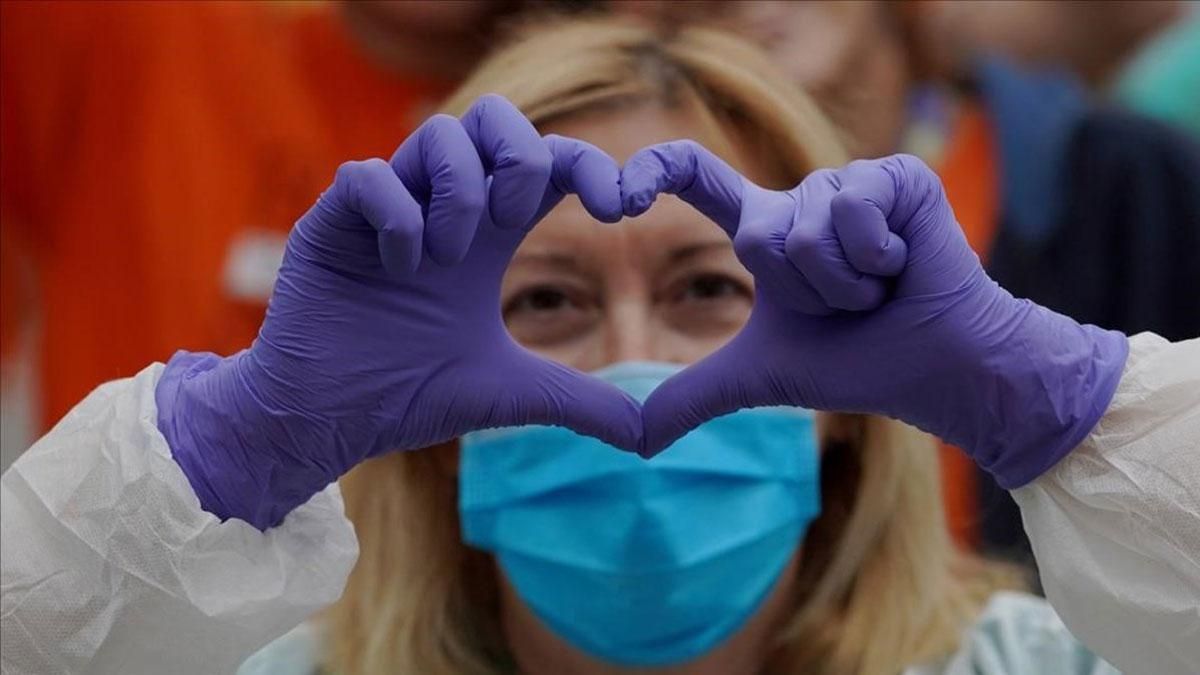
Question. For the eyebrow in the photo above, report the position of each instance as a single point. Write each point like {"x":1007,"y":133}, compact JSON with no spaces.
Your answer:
{"x":687,"y":252}
{"x":557,"y":260}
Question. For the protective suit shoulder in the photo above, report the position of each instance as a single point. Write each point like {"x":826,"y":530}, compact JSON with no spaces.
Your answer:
{"x":110,"y":566}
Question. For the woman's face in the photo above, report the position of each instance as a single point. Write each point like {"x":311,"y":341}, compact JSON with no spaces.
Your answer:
{"x":664,"y":287}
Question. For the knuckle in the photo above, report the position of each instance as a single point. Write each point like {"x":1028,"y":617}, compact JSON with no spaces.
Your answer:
{"x":687,"y":155}
{"x":848,"y":198}
{"x":357,"y":172}
{"x":861,"y":164}
{"x":348,"y":172}
{"x":440,"y":120}
{"x":490,"y":99}
{"x":677,"y":156}
{"x":376,"y":164}
{"x":913,"y":176}
{"x":752,"y":246}
{"x":826,"y":174}
{"x":817,"y":182}
{"x":686,"y":146}
{"x":436,"y":128}
{"x":802,"y":243}
{"x":374,"y":169}
{"x":910,"y":162}
{"x":749,"y":240}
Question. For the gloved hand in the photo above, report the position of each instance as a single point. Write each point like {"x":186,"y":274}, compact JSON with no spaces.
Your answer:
{"x":384,"y":330}
{"x":868,"y":299}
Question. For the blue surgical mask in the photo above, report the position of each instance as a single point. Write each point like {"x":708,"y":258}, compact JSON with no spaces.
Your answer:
{"x":643,"y":562}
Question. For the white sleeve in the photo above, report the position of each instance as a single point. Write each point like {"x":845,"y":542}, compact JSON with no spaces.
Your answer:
{"x":1115,"y":525}
{"x":110,"y":566}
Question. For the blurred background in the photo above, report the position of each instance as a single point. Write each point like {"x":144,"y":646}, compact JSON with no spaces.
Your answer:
{"x":154,"y":156}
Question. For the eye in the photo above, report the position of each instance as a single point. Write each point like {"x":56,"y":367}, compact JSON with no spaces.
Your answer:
{"x":538,"y":299}
{"x":706,"y":287}
{"x":707,"y":305}
{"x":546,"y":314}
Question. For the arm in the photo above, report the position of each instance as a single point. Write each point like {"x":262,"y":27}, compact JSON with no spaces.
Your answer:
{"x":180,"y":520}
{"x":111,"y":566}
{"x":1115,"y":525}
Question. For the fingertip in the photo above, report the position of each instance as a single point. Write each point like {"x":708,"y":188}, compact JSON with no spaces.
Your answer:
{"x":452,"y":223}
{"x":638,"y":188}
{"x":610,"y":212}
{"x":593,"y":175}
{"x":399,"y":250}
{"x":636,"y":203}
{"x":371,"y":189}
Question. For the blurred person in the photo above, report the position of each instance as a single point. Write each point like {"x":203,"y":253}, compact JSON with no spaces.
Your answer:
{"x":1141,"y":54}
{"x":183,"y":517}
{"x":1087,"y":209}
{"x":1097,"y":205}
{"x":155,"y":155}
{"x":1093,"y":38}
{"x":1163,"y":78}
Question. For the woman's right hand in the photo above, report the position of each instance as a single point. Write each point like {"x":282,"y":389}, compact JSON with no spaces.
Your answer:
{"x":868,"y":299}
{"x":384,"y":330}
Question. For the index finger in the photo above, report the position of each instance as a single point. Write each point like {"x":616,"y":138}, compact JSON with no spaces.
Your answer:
{"x":582,"y":169}
{"x":690,"y":171}
{"x":513,"y":153}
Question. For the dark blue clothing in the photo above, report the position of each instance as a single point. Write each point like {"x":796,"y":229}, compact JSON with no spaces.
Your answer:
{"x":1100,"y":221}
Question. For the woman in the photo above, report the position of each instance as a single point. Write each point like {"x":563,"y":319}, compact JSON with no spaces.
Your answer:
{"x":386,"y":331}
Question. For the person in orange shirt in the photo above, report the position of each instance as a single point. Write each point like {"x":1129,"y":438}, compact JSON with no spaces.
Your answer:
{"x":156,"y":155}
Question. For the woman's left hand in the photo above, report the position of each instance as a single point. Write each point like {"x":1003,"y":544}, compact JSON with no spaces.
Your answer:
{"x":868,"y":299}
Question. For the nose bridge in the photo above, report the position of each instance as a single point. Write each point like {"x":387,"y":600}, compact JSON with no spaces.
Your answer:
{"x":628,"y":329}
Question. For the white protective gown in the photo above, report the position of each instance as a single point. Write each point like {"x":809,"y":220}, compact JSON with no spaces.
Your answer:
{"x":110,"y":565}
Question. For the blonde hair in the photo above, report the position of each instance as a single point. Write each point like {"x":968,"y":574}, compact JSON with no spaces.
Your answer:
{"x":880,"y":585}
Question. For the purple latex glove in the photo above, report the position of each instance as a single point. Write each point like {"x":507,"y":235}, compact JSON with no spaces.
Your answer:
{"x":868,"y":299}
{"x":384,"y":330}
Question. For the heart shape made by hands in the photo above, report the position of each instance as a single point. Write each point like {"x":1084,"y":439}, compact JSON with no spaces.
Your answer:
{"x":385,"y":332}
{"x":414,"y":297}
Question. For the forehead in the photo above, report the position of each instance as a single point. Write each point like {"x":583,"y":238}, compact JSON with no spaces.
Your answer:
{"x":670,"y":225}
{"x":623,"y":131}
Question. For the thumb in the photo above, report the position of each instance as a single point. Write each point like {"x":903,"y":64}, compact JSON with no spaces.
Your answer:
{"x":723,"y":382}
{"x":553,"y":394}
